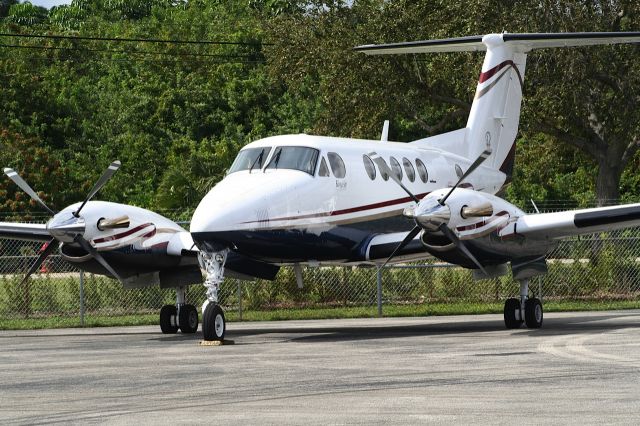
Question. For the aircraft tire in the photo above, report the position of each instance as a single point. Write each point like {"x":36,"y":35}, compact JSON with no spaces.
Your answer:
{"x":213,"y":323}
{"x":533,"y":314}
{"x":167,"y":313}
{"x":188,"y":319}
{"x":511,"y":306}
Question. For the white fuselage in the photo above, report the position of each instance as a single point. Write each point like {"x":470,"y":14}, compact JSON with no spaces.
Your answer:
{"x":289,"y":206}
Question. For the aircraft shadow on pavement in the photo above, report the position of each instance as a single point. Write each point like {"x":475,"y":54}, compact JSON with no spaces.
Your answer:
{"x":579,"y":324}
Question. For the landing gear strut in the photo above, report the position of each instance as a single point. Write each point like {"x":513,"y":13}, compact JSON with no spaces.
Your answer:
{"x":213,"y":321}
{"x":527,"y":310}
{"x":179,"y":316}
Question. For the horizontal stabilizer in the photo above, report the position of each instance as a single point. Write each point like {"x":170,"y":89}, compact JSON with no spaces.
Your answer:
{"x":477,"y":43}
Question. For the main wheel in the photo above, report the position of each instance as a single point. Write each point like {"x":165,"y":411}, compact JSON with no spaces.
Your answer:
{"x":511,"y":310}
{"x":188,"y":319}
{"x":213,"y":322}
{"x":533,"y":313}
{"x":168,"y":316}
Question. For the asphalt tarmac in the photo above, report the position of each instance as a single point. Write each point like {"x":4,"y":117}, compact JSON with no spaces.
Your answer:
{"x":580,"y":368}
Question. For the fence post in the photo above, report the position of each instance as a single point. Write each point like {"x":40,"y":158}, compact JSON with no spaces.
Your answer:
{"x":379,"y":279}
{"x":81,"y":298}
{"x":239,"y":300}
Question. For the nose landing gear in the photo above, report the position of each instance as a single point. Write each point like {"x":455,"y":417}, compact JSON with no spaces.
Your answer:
{"x":213,"y":322}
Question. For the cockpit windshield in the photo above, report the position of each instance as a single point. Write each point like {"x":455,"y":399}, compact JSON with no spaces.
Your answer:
{"x":250,"y":159}
{"x":295,"y":158}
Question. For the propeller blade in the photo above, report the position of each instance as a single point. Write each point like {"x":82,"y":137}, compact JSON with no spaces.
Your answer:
{"x":50,"y":247}
{"x":88,"y":247}
{"x":113,"y":167}
{"x":410,"y":236}
{"x":384,"y":168}
{"x":486,"y":153}
{"x":14,"y":176}
{"x":459,"y":244}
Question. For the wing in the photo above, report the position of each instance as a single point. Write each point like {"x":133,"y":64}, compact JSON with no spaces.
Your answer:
{"x":587,"y":221}
{"x":24,"y":231}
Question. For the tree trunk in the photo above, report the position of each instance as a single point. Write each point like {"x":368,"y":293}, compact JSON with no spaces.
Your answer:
{"x":608,"y":180}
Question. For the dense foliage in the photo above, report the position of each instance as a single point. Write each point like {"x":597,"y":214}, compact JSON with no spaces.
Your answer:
{"x":176,"y":113}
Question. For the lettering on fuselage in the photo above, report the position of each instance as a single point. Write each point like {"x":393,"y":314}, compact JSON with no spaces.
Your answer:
{"x":341,"y":185}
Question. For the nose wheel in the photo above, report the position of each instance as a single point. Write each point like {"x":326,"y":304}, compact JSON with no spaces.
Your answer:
{"x":213,"y":322}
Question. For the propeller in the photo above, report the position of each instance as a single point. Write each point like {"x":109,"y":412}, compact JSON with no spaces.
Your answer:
{"x":48,"y":249}
{"x":65,"y":227}
{"x":486,"y":153}
{"x":96,"y":255}
{"x":436,"y":217}
{"x":14,"y":176}
{"x":113,"y":167}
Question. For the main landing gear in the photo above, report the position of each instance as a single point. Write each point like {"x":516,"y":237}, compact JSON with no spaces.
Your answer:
{"x":527,"y":310}
{"x":213,"y":322}
{"x":179,"y":316}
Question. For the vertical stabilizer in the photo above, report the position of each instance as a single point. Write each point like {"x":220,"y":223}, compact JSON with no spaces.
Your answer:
{"x":495,"y":112}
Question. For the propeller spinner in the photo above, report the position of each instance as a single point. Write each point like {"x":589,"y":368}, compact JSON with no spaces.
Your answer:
{"x":69,"y":227}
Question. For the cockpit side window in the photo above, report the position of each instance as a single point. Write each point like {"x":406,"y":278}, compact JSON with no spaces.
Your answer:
{"x":300,"y":158}
{"x":250,"y":159}
{"x":337,"y":165}
{"x":324,"y":170}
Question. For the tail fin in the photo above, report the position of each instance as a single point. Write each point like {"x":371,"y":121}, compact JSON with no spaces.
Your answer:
{"x":495,"y":112}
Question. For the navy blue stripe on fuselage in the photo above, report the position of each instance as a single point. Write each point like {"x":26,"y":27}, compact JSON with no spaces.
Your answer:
{"x":340,"y":243}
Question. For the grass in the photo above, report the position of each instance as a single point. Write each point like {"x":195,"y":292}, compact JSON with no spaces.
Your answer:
{"x":418,"y":310}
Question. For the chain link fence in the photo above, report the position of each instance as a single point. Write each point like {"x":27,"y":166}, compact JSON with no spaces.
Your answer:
{"x":604,"y":267}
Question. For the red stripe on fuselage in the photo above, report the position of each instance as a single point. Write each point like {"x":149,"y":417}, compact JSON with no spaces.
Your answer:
{"x":345,"y":211}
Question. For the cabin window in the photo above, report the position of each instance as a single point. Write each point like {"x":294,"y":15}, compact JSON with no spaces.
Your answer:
{"x":369,"y":167}
{"x":337,"y":165}
{"x":396,"y":169}
{"x":250,"y":159}
{"x":324,"y":170}
{"x":459,"y":171}
{"x":384,"y":175}
{"x":422,"y":170}
{"x":408,"y":169}
{"x":300,"y":158}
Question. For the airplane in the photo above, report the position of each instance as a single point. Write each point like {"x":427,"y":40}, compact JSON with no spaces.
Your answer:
{"x":136,"y":246}
{"x":312,"y":200}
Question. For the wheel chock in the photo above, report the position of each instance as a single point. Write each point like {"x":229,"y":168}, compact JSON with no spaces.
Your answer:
{"x":216,"y":342}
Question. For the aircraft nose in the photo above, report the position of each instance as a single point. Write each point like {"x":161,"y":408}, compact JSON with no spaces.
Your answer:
{"x":243,"y":203}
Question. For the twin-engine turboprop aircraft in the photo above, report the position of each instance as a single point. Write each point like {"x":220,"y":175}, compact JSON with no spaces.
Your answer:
{"x":136,"y":246}
{"x":299,"y":199}
{"x":310,"y":200}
